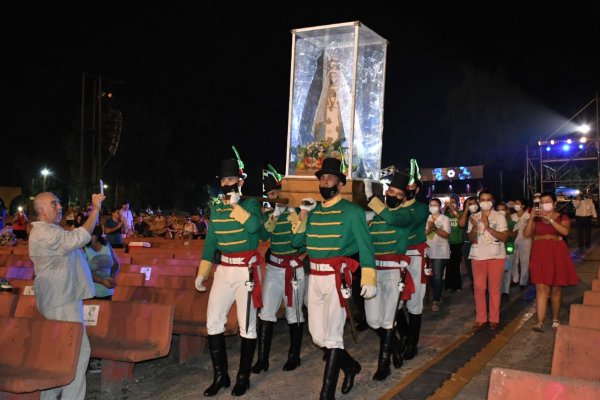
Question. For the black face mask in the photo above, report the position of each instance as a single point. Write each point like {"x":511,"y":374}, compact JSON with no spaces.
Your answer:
{"x":230,"y":188}
{"x":410,"y":194}
{"x":392,"y":202}
{"x":328,"y":193}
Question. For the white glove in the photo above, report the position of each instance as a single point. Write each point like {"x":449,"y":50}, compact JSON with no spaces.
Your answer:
{"x":291,"y":209}
{"x":368,"y":188}
{"x":234,"y":197}
{"x":370,"y":215}
{"x":368,"y":291}
{"x":308,"y":207}
{"x":276,"y":212}
{"x":199,"y":284}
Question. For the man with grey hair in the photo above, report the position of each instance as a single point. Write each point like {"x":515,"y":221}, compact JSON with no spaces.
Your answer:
{"x":62,"y":278}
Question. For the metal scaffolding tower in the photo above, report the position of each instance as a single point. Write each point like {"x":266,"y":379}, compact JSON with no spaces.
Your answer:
{"x":567,"y":158}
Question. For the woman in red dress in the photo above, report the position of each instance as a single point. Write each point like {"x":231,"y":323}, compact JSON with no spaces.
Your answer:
{"x":551,"y":265}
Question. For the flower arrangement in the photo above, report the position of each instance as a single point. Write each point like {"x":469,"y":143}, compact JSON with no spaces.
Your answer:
{"x":311,"y":156}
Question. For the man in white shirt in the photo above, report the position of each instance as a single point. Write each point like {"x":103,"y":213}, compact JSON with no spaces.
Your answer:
{"x":127,"y":218}
{"x":62,"y":276}
{"x":584,"y":212}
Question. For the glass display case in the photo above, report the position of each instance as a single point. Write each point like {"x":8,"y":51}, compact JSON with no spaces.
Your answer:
{"x":336,"y":99}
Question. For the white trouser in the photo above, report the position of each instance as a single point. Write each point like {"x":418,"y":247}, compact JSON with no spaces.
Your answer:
{"x":381,"y":309}
{"x":274,"y":292}
{"x":326,"y":317}
{"x":229,"y":285}
{"x":415,"y":304}
{"x":522,"y":255}
{"x":72,"y":312}
{"x":510,"y":263}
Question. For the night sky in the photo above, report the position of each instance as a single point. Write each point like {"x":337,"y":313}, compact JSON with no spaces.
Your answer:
{"x":213,"y":77}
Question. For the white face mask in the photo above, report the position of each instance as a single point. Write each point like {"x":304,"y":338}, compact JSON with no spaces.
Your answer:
{"x":485,"y":205}
{"x":518,"y":207}
{"x":473,"y":208}
{"x":434,"y":210}
{"x":547,"y":207}
{"x":502,"y":212}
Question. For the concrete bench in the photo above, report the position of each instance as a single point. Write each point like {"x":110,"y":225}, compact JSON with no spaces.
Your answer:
{"x":190,"y":314}
{"x":27,"y":308}
{"x":3,"y":271}
{"x":126,"y":333}
{"x":124,"y":259}
{"x":582,"y":316}
{"x":591,"y":298}
{"x":20,"y":284}
{"x":176,"y":282}
{"x":163,"y":261}
{"x":8,"y":303}
{"x":130,"y":279}
{"x":509,"y":384}
{"x":21,"y":250}
{"x":576,"y":353}
{"x":154,"y":271}
{"x":24,"y":368}
{"x":20,"y":273}
{"x":596,"y":285}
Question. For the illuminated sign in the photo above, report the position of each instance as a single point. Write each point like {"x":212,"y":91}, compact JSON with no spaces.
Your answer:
{"x":452,"y":173}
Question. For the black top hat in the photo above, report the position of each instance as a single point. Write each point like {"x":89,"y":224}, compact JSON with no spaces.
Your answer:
{"x":270,"y":183}
{"x":332,"y":166}
{"x":230,"y":168}
{"x":399,"y":181}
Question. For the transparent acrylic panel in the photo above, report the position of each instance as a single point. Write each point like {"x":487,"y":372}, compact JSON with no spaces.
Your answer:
{"x":322,"y":99}
{"x":368,"y":126}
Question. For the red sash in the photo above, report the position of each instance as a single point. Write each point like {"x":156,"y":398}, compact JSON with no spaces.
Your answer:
{"x":247,"y":256}
{"x":421,"y":249}
{"x":409,"y":285}
{"x":289,"y":273}
{"x":336,"y":263}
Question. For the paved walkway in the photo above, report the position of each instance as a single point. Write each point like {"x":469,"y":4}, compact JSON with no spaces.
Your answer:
{"x":446,"y":345}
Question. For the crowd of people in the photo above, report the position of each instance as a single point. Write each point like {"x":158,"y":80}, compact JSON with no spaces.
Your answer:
{"x":324,"y":255}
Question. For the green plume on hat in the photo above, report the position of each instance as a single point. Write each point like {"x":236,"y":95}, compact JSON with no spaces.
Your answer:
{"x":239,"y":159}
{"x":343,"y":160}
{"x":276,"y":174}
{"x":414,"y":171}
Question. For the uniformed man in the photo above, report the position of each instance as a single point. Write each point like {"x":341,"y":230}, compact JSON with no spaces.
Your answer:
{"x":284,"y":279}
{"x":333,"y":231}
{"x":390,"y":243}
{"x":234,"y":230}
{"x":412,"y":216}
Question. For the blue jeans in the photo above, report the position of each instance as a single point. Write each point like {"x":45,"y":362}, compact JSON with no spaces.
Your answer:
{"x":437,"y":264}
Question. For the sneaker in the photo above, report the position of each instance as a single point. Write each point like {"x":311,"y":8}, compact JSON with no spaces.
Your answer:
{"x":478,"y":326}
{"x":555,"y":323}
{"x":436,"y":306}
{"x":539,"y":327}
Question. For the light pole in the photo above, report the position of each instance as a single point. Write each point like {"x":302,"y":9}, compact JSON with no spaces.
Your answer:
{"x":45,"y":173}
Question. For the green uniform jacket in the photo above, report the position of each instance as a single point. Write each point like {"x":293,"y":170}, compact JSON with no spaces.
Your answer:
{"x":231,"y":230}
{"x":411,"y":215}
{"x":387,"y":238}
{"x":338,"y":229}
{"x":279,"y":232}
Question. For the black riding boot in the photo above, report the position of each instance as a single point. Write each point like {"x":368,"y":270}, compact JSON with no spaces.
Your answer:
{"x":351,"y":367}
{"x":386,"y":343}
{"x":414,"y":330}
{"x":293,"y":360}
{"x":218,"y":355}
{"x":333,"y":359}
{"x":265,"y":336}
{"x":242,"y":383}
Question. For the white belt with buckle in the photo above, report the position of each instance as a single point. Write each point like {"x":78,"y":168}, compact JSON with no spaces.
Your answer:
{"x":321,"y":267}
{"x":238,"y":260}
{"x":279,"y":261}
{"x":382,"y":263}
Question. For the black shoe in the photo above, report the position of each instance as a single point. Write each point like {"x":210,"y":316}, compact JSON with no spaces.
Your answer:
{"x":412,"y":341}
{"x":361,"y":324}
{"x":333,"y":359}
{"x":218,"y":355}
{"x":351,"y":368}
{"x":265,"y":336}
{"x":293,"y":360}
{"x":242,"y":383}
{"x":386,"y":339}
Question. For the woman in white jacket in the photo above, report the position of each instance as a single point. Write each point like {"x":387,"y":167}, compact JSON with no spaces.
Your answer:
{"x":437,"y":231}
